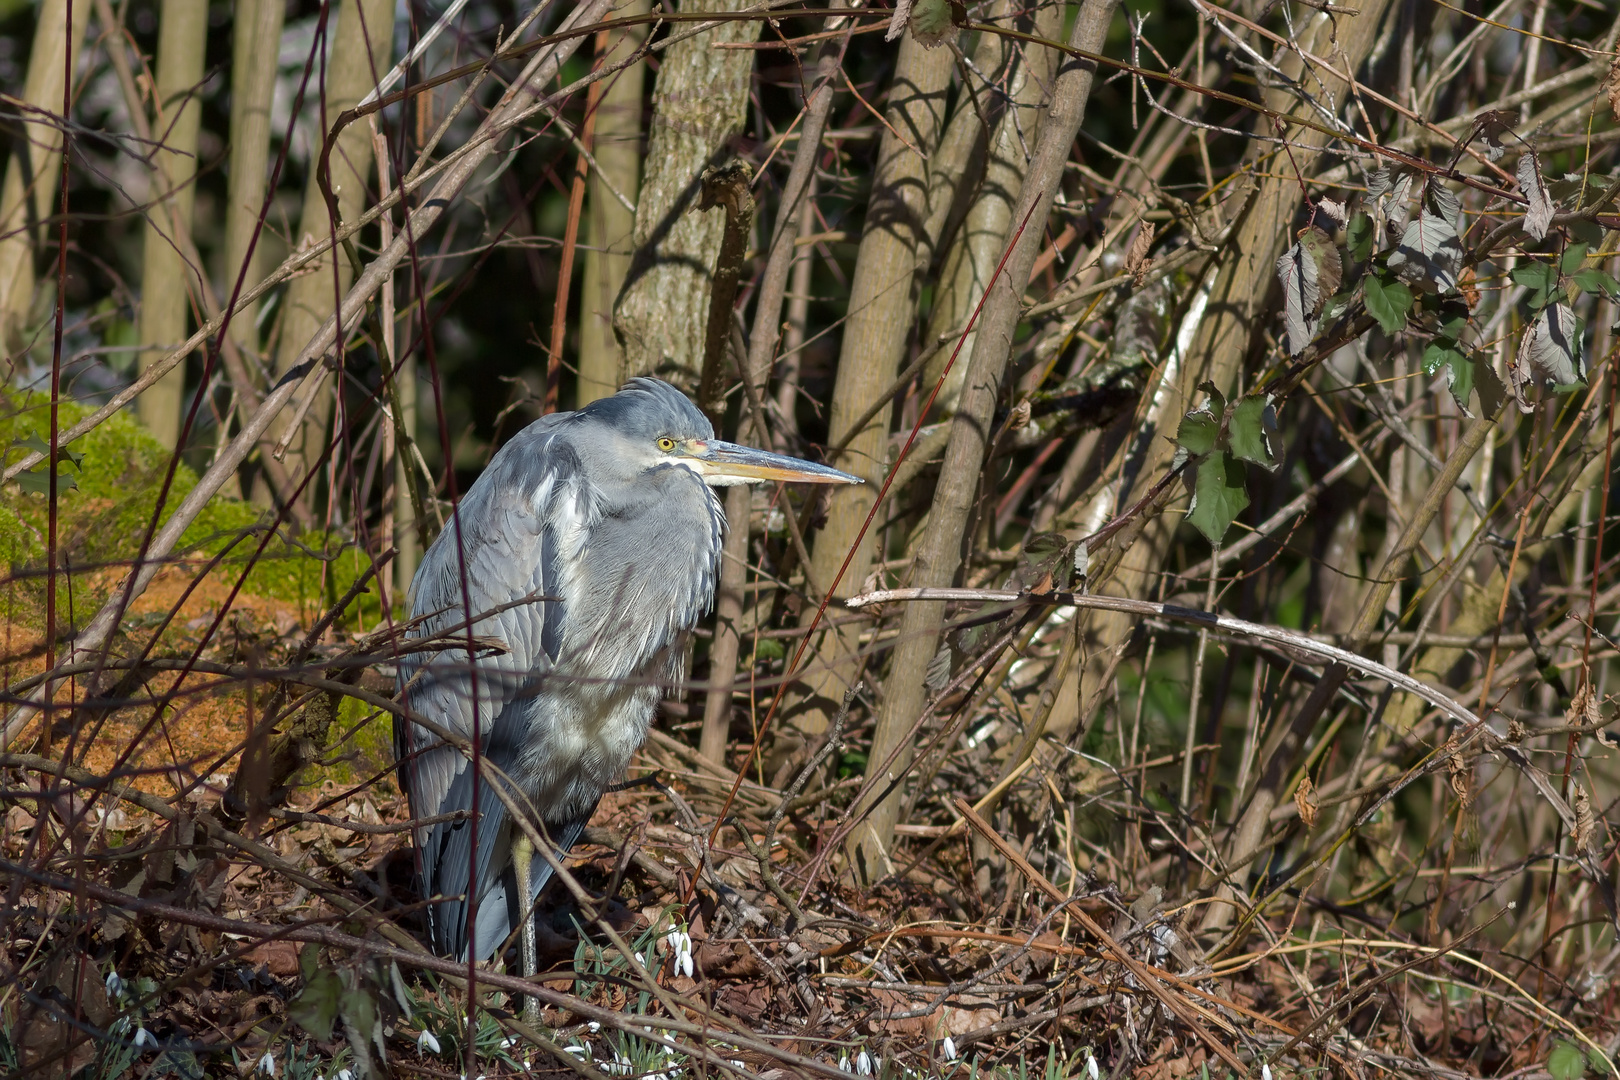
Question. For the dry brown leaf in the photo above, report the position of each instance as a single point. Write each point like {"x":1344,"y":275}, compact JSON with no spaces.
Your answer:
{"x":1459,"y":778}
{"x":1585,"y":820}
{"x":1468,"y":286}
{"x":1137,"y":263}
{"x":1305,"y":800}
{"x":1614,"y":89}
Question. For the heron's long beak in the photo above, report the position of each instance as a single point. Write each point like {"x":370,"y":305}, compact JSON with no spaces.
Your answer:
{"x":725,"y":463}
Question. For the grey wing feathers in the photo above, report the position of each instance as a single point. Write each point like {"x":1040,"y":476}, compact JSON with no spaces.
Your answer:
{"x":506,"y":541}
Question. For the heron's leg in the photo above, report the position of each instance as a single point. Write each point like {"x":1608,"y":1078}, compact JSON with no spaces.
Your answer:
{"x":522,"y":857}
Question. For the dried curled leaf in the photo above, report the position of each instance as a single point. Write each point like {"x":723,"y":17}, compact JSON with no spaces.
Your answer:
{"x":1585,"y":820}
{"x":1389,"y":189}
{"x":1491,"y":125}
{"x":1430,"y":254}
{"x":1445,"y":204}
{"x":1137,"y":262}
{"x":1458,"y":778}
{"x":1550,"y":345}
{"x":1310,"y":272}
{"x":1538,"y":216}
{"x":1297,"y":272}
{"x":1305,"y":802}
{"x":1334,"y":210}
{"x":897,"y":21}
{"x":1583,"y":708}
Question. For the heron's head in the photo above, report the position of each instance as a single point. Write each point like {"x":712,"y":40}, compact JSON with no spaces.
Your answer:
{"x":653,"y":425}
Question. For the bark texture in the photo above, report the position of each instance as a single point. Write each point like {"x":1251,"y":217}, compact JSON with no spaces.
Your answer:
{"x":940,"y":556}
{"x":977,"y":246}
{"x":362,"y":45}
{"x":882,"y":307}
{"x":28,"y":196}
{"x":608,"y":223}
{"x":699,"y":103}
{"x":728,"y":606}
{"x":168,"y":284}
{"x":253,"y":83}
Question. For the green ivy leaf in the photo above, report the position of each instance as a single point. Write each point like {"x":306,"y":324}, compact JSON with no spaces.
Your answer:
{"x":1198,"y":432}
{"x":1253,"y":421}
{"x":769,"y":649}
{"x":1586,"y":231}
{"x":38,"y":482}
{"x":1540,"y":278}
{"x":316,"y":1006}
{"x":1220,"y":493}
{"x":1388,"y":301}
{"x":932,"y":21}
{"x":1444,"y":354}
{"x":1567,"y":1061}
{"x":1597,"y":281}
{"x":1360,"y":237}
{"x":40,"y":446}
{"x":1572,"y":258}
{"x":1488,"y":384}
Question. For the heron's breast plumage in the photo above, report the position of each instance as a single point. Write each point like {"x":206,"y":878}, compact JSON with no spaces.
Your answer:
{"x":627,"y":612}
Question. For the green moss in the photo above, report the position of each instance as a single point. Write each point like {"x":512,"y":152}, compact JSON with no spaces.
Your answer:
{"x":103,"y":517}
{"x":359,"y":747}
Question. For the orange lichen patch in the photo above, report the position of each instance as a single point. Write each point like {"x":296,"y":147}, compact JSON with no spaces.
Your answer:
{"x":203,"y":720}
{"x":168,"y":591}
{"x":196,"y":736}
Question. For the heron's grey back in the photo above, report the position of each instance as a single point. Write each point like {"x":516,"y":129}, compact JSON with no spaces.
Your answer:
{"x":599,"y":579}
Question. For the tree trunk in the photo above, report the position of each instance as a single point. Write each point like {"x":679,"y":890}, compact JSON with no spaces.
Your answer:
{"x":700,"y":101}
{"x":168,"y":284}
{"x":362,"y":44}
{"x":941,"y":554}
{"x":608,"y":224}
{"x":253,"y":82}
{"x":29,"y":193}
{"x":882,"y":309}
{"x":757,"y":368}
{"x":977,"y":247}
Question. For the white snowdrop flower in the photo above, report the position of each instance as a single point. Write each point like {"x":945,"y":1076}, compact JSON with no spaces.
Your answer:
{"x":863,"y":1063}
{"x":948,"y":1048}
{"x":427,"y":1041}
{"x":345,"y":1074}
{"x":577,"y":1051}
{"x":685,"y":964}
{"x":593,"y":1027}
{"x":267,"y":1065}
{"x":843,"y":1063}
{"x":1265,"y":1071}
{"x":673,"y":939}
{"x":509,"y":1042}
{"x":144,"y":1038}
{"x":115,"y":984}
{"x":1091,"y":1067}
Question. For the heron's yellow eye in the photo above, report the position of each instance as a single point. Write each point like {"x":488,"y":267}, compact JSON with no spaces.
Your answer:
{"x":666,"y":444}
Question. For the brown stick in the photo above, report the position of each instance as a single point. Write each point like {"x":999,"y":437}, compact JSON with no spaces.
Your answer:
{"x":1147,"y":976}
{"x":724,"y":651}
{"x":725,"y":186}
{"x":940,"y":554}
{"x":576,"y":204}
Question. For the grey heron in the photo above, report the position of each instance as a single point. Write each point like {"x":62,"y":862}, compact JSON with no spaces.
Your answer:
{"x":609,"y":514}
